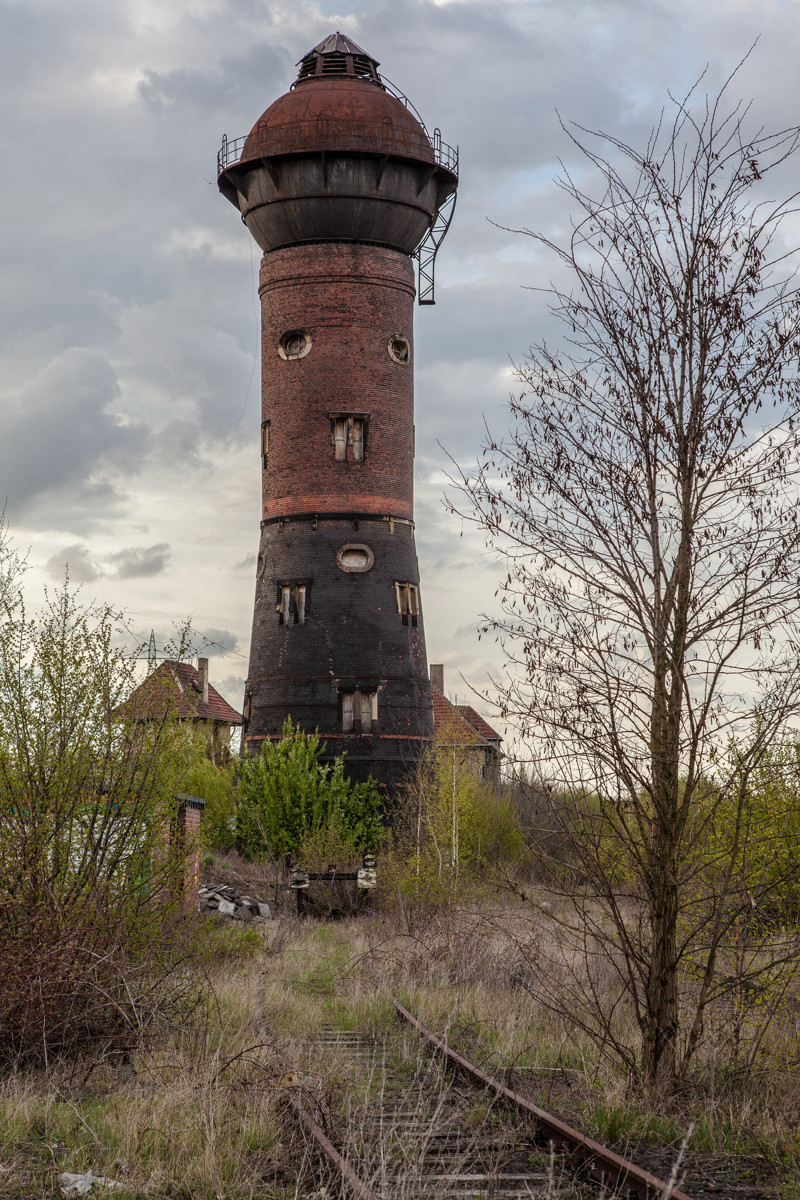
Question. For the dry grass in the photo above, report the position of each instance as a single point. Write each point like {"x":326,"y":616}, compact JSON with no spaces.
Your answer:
{"x":201,"y":1115}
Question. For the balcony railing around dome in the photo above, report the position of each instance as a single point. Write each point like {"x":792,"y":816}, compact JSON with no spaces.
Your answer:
{"x":324,"y":134}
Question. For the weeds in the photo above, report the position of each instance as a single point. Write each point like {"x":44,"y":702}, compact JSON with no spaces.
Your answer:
{"x":200,"y":1114}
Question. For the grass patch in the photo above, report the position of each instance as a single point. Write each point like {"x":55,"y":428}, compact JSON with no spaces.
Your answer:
{"x":200,"y":1117}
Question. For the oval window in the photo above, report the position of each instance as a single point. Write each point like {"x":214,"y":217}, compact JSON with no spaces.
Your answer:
{"x":295,"y":343}
{"x":399,"y":348}
{"x":261,"y":565}
{"x":355,"y":558}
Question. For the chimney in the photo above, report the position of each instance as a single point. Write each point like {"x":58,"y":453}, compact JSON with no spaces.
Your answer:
{"x":202,"y":671}
{"x":437,"y":677}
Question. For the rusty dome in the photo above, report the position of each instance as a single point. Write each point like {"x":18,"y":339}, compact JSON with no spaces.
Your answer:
{"x":338,"y":158}
{"x":337,"y":114}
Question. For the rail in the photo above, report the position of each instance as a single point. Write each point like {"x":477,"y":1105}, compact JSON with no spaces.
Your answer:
{"x":297,"y":136}
{"x":602,"y":1164}
{"x":351,"y":1184}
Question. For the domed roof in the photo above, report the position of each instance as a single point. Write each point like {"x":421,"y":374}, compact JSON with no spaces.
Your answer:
{"x":338,"y":103}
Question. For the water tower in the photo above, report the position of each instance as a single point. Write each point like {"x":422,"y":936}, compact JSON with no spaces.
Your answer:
{"x":343,"y":189}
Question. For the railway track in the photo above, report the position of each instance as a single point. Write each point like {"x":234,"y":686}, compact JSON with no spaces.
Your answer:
{"x":457,"y":1133}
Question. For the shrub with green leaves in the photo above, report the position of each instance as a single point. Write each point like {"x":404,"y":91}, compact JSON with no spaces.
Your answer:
{"x":91,"y":904}
{"x":287,"y":796}
{"x":214,"y":783}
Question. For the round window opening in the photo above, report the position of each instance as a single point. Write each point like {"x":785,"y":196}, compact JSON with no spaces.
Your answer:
{"x":261,"y":565}
{"x":399,"y":349}
{"x":295,"y":343}
{"x":355,"y":558}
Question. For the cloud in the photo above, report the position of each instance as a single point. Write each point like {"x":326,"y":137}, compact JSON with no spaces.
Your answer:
{"x":74,"y":561}
{"x":129,"y":323}
{"x":60,"y":431}
{"x":218,"y":641}
{"x":231,"y":688}
{"x":136,"y":562}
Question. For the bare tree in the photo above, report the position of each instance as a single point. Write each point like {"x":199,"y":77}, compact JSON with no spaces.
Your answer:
{"x":645,"y":504}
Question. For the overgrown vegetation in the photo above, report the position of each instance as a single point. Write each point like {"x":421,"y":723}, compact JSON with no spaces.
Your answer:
{"x":645,"y":508}
{"x":199,"y":1110}
{"x":291,"y":803}
{"x":91,"y":899}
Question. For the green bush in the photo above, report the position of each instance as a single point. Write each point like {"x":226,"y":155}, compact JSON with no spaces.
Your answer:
{"x":217,"y":786}
{"x":91,"y":904}
{"x":287,"y":796}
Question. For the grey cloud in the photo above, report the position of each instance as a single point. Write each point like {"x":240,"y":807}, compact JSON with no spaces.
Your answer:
{"x":59,"y":430}
{"x":247,"y":563}
{"x":128,"y":297}
{"x":218,"y":641}
{"x":260,"y":69}
{"x":179,"y":351}
{"x":231,"y":688}
{"x":136,"y":562}
{"x":177,"y":443}
{"x":74,"y":561}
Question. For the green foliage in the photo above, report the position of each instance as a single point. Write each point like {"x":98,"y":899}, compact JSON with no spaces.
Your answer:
{"x":451,"y":827}
{"x":466,"y":821}
{"x":89,"y":894}
{"x":216,"y":784}
{"x":228,"y":942}
{"x":288,"y":796}
{"x":756,"y":826}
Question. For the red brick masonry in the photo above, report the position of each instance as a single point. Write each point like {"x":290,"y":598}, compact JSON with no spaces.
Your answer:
{"x":351,"y":299}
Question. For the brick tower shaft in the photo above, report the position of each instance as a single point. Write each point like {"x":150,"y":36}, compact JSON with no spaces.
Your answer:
{"x":337,"y":532}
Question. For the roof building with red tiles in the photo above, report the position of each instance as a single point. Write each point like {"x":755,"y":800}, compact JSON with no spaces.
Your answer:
{"x":183,"y":692}
{"x":461,"y":724}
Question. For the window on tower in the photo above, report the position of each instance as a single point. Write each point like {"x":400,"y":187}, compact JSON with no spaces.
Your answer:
{"x":292,"y":602}
{"x":359,"y":711}
{"x":399,"y":348}
{"x":264,"y":442}
{"x":294,"y":344}
{"x":349,"y":436}
{"x":407,"y":596}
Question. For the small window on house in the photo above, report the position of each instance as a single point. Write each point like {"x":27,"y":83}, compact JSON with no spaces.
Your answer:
{"x":359,"y":711}
{"x":292,"y":603}
{"x":407,"y":595}
{"x":264,"y":442}
{"x":349,"y":436}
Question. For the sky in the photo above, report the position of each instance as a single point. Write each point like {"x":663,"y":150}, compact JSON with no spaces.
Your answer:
{"x":128,"y":306}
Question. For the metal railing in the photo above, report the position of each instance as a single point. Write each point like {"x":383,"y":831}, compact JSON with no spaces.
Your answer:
{"x":297,"y":136}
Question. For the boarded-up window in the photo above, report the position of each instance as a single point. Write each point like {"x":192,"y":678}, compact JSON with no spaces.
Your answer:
{"x":340,"y":439}
{"x":348,"y":711}
{"x":407,"y":596}
{"x":349,"y":436}
{"x":356,"y":438}
{"x":264,"y":442}
{"x":359,"y":711}
{"x":292,"y":603}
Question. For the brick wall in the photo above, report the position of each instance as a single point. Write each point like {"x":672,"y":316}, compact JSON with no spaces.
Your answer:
{"x":189,"y":817}
{"x":351,"y":299}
